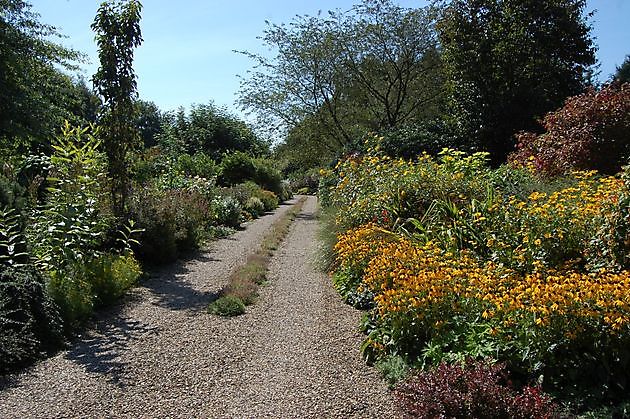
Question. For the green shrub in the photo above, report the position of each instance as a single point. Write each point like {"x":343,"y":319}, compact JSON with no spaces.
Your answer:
{"x":29,"y":320}
{"x":254,"y":206}
{"x":411,"y":140}
{"x":243,"y":191}
{"x":111,"y":276}
{"x":71,"y":291}
{"x":227,"y":306}
{"x":267,"y":176}
{"x":13,"y":249}
{"x":237,"y":167}
{"x":227,"y":210}
{"x":75,"y":220}
{"x":286,"y":192}
{"x":269,"y":200}
{"x":199,"y":164}
{"x":151,"y":211}
{"x":173,"y":220}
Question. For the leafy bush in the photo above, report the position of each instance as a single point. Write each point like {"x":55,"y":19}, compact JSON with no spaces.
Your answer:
{"x":227,"y":210}
{"x":589,"y":132}
{"x":71,"y":291}
{"x":269,"y":199}
{"x":172,"y":220}
{"x":412,"y":140}
{"x":13,"y":249}
{"x":254,"y":206}
{"x":199,"y":164}
{"x":237,"y":167}
{"x":29,"y":321}
{"x":228,"y":306}
{"x":111,"y":276}
{"x":75,"y":220}
{"x":267,"y":175}
{"x":286,"y":191}
{"x":609,"y":247}
{"x":474,"y":390}
{"x":307,"y":182}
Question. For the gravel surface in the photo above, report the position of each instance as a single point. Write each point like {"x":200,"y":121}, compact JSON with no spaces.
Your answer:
{"x":293,"y":354}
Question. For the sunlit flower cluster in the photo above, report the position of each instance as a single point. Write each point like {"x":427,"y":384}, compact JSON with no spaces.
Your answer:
{"x":422,"y":280}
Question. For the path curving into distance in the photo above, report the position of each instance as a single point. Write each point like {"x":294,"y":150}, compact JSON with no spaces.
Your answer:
{"x":293,"y":354}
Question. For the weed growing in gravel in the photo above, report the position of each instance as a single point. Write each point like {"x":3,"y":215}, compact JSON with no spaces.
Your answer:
{"x":227,"y":306}
{"x":243,"y":284}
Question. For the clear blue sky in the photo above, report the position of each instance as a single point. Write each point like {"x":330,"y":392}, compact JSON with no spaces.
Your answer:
{"x":187,"y":55}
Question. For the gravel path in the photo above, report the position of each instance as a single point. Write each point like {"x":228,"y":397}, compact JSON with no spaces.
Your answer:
{"x":294,"y":354}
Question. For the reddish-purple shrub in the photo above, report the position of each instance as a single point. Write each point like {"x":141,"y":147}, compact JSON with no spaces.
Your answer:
{"x":476,"y":389}
{"x":591,"y":131}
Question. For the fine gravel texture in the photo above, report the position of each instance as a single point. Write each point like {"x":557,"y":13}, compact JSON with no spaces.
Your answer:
{"x":293,"y":354}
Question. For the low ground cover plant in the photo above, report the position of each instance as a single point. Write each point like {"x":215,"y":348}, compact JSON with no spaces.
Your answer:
{"x":456,"y":260}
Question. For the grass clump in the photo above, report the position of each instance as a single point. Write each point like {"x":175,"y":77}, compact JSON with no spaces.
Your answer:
{"x":227,"y":306}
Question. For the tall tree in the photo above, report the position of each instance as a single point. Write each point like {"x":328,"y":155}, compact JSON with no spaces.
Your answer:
{"x":35,"y":94}
{"x":117,"y":28}
{"x":622,"y":75}
{"x":373,"y":67}
{"x":511,"y":61}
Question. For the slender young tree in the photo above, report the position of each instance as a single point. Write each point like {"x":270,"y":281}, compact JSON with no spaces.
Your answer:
{"x":117,"y":29}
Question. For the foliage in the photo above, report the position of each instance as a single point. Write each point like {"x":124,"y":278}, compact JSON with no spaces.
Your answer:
{"x":117,"y":28}
{"x":210,"y":130}
{"x":172,"y":220}
{"x":411,"y":140}
{"x":227,"y":210}
{"x":463,"y":261}
{"x":474,"y":389}
{"x":36,"y":96}
{"x":29,"y":321}
{"x":81,"y":287}
{"x":497,"y":55}
{"x":148,"y":122}
{"x":13,"y":251}
{"x":227,"y":306}
{"x":622,"y":75}
{"x":239,"y":167}
{"x":336,"y":76}
{"x":74,"y":221}
{"x":111,"y":276}
{"x":393,"y":368}
{"x":269,"y":200}
{"x":254,"y":206}
{"x":590,"y":132}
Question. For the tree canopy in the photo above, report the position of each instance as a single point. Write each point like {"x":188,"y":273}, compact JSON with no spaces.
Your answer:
{"x":511,"y":61}
{"x":208,"y":129}
{"x":344,"y":73}
{"x":35,"y":94}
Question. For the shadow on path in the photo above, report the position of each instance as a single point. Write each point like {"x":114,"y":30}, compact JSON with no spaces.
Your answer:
{"x":173,"y":291}
{"x":99,"y":350}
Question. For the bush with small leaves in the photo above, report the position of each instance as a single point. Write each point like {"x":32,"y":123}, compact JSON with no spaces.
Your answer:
{"x":269,"y":200}
{"x":254,"y":206}
{"x":475,"y":389}
{"x":227,"y":306}
{"x":29,"y":320}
